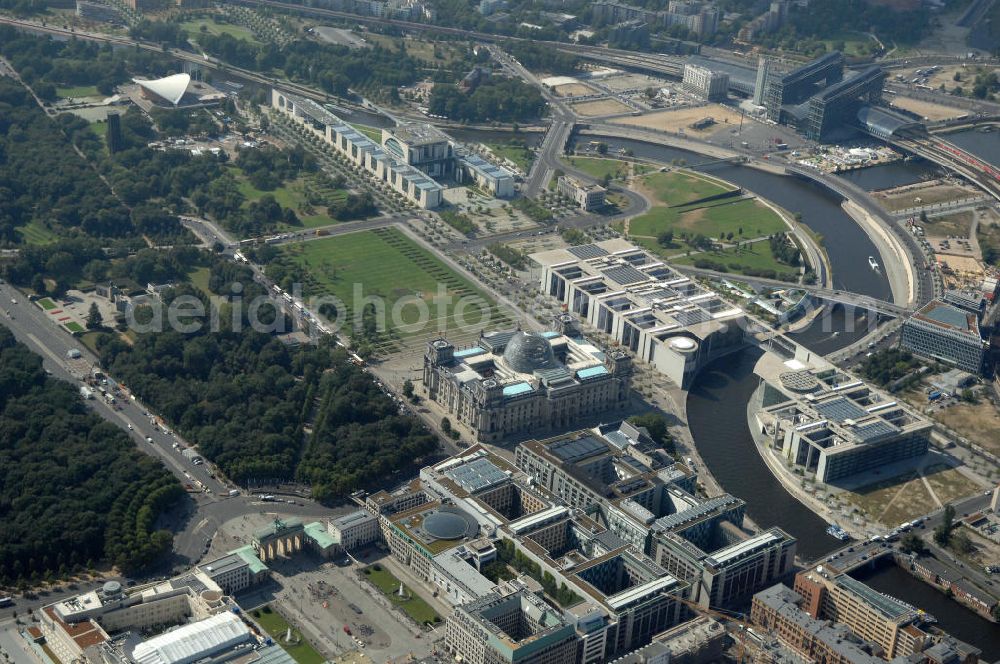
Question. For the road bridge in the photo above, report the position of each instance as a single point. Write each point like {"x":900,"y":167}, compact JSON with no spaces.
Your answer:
{"x":839,"y":296}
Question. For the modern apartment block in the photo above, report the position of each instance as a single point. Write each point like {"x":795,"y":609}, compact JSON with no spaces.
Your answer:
{"x":947,"y":333}
{"x":507,"y":628}
{"x":661,"y":315}
{"x":880,"y":619}
{"x":832,"y":425}
{"x":700,"y":18}
{"x":705,"y":83}
{"x":514,"y":381}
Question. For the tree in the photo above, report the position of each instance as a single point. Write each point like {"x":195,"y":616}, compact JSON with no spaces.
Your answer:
{"x":94,"y":318}
{"x":602,"y":148}
{"x":408,"y":388}
{"x":912,"y":543}
{"x":446,"y":425}
{"x":656,"y":425}
{"x":666,"y":239}
{"x":942,"y":534}
{"x":961,"y":543}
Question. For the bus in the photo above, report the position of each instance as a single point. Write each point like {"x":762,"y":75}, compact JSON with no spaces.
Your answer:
{"x":6,"y":601}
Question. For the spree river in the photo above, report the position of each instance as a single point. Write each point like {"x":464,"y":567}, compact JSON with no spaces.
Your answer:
{"x":716,"y":405}
{"x":845,"y":242}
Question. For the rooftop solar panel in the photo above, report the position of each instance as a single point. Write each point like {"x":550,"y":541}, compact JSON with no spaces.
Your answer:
{"x":576,"y":449}
{"x":625,"y":275}
{"x":691,"y":316}
{"x":840,"y":409}
{"x":586,"y":251}
{"x":476,"y":475}
{"x":873,"y":430}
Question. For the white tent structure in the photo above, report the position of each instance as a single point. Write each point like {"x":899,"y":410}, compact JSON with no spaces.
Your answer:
{"x":170,"y":88}
{"x":193,"y":642}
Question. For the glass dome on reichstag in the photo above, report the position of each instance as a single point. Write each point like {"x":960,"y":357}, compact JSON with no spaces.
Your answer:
{"x":527,"y":353}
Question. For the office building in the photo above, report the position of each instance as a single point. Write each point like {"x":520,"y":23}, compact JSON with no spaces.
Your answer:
{"x":838,"y":105}
{"x":113,"y":135}
{"x":365,"y":153}
{"x":778,"y":611}
{"x":798,"y":85}
{"x":831,"y":425}
{"x":661,"y":315}
{"x":514,"y":381}
{"x":409,"y":157}
{"x":504,"y":629}
{"x":701,"y":640}
{"x":617,"y":474}
{"x":491,"y":178}
{"x":236,"y":571}
{"x":946,"y":333}
{"x":354,"y":530}
{"x":587,"y":196}
{"x":760,"y":83}
{"x":699,"y":18}
{"x":97,"y":11}
{"x":880,"y":619}
{"x":422,"y":146}
{"x":705,"y":83}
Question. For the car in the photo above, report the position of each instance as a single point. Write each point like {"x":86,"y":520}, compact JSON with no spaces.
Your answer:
{"x":149,"y":440}
{"x":130,"y":427}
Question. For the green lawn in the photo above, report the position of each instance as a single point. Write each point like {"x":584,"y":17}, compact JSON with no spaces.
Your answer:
{"x":78,"y":91}
{"x":100,"y":130}
{"x":371,"y":132}
{"x":73,"y":326}
{"x":386,"y":264}
{"x":293,"y":195}
{"x":412,"y":604}
{"x":516,"y":152}
{"x":34,"y":233}
{"x":598,"y":168}
{"x":274,"y":624}
{"x":199,"y":279}
{"x":713,"y":220}
{"x":856,"y":44}
{"x":194,"y":28}
{"x":755,"y":258}
{"x":46,"y":304}
{"x":682,"y":187}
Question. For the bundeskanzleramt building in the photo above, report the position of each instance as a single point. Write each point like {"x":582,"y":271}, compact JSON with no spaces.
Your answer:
{"x":504,"y":629}
{"x":513,"y":382}
{"x":832,"y":425}
{"x":945,"y":332}
{"x":662,"y":316}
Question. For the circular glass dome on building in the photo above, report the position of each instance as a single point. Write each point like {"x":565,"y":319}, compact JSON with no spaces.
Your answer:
{"x":449,"y":524}
{"x":527,"y":353}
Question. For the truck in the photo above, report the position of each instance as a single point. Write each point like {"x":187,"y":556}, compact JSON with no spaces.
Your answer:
{"x":86,"y":392}
{"x":934,"y":395}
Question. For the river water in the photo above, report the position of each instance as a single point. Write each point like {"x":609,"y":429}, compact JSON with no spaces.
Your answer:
{"x":845,"y":242}
{"x":954,"y":618}
{"x":985,"y":145}
{"x":716,"y":405}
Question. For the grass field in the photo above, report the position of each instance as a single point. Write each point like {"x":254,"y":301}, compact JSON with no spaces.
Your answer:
{"x":73,"y":326}
{"x":295,"y":195}
{"x":46,"y":304}
{"x":597,"y":168}
{"x":517,"y":153}
{"x":78,"y":91}
{"x":978,"y":422}
{"x":371,"y":132}
{"x":199,"y":279}
{"x":302,"y":651}
{"x":715,"y":220}
{"x":413,"y":605}
{"x":957,"y":223}
{"x":750,"y":258}
{"x":903,"y":497}
{"x":34,"y":233}
{"x":194,"y":28}
{"x":386,"y":264}
{"x":682,"y":187}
